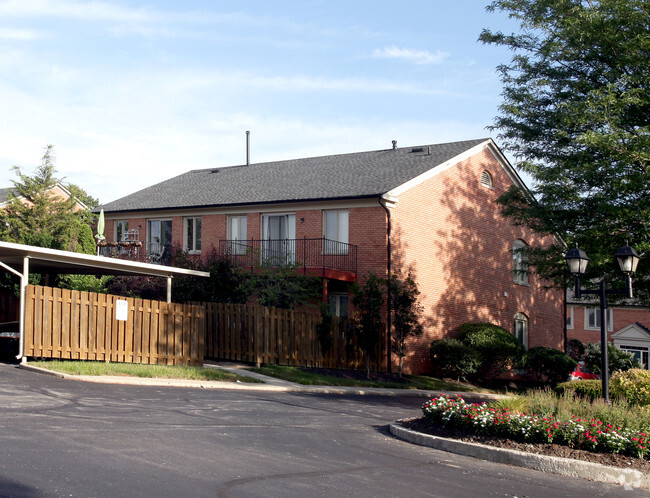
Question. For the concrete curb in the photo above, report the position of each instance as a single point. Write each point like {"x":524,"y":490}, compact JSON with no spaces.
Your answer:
{"x":271,"y":384}
{"x":561,"y":466}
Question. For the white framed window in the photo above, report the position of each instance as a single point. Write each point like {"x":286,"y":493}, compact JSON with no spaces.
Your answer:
{"x":521,"y":328}
{"x":639,"y":352}
{"x":335,"y":231}
{"x":121,"y":227}
{"x":192,"y":235}
{"x":337,"y":304}
{"x":486,"y":179}
{"x":569,"y":318}
{"x":520,"y":262}
{"x":279,"y":238}
{"x":592,"y":319}
{"x":159,"y":240}
{"x":237,"y":233}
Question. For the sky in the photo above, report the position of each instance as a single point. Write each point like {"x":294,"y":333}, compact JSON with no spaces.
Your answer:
{"x":131,"y":93}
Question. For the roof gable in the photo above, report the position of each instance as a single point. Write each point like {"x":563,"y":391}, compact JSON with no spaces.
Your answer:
{"x":344,"y":176}
{"x":632,"y":332}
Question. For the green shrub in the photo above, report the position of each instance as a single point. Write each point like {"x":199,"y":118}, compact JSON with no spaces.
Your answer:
{"x":549,"y":364}
{"x":586,"y":389}
{"x":454,"y":359}
{"x":632,"y":385}
{"x":497,"y":347}
{"x":617,"y":359}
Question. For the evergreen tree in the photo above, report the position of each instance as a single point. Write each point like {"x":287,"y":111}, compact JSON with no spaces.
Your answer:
{"x":35,"y":216}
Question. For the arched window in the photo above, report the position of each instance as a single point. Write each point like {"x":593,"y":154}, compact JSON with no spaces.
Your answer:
{"x":486,"y":179}
{"x":520,"y":328}
{"x":520,"y":262}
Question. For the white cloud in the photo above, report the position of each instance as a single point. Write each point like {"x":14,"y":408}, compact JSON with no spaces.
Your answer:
{"x":73,"y":9}
{"x":411,"y":55}
{"x":18,"y":34}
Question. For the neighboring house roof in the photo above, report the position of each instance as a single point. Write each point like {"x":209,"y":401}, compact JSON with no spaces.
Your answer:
{"x":4,"y":195}
{"x":344,"y":176}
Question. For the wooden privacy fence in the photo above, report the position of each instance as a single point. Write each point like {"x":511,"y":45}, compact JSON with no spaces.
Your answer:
{"x":256,"y":334}
{"x":60,"y":323}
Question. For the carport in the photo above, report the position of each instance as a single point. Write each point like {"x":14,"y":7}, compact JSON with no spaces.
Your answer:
{"x":21,"y":259}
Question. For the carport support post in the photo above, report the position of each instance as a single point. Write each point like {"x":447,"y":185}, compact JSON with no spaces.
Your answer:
{"x":169,"y":288}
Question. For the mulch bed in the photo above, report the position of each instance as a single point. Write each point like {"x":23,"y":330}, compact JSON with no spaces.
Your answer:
{"x":427,"y":427}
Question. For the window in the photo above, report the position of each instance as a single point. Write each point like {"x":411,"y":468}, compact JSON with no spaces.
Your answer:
{"x":192,"y":235}
{"x":521,"y":328}
{"x":121,"y":227}
{"x":279,"y":239}
{"x":569,"y":317}
{"x":592,"y":319}
{"x":335,"y":232}
{"x":520,"y":262}
{"x":486,"y":179}
{"x":237,"y":233}
{"x":338,"y":304}
{"x":639,"y":352}
{"x":159,"y":240}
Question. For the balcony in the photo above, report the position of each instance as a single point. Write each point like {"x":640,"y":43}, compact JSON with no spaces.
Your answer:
{"x":319,"y":257}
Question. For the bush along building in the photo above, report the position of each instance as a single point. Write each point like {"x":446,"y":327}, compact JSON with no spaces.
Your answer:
{"x":429,"y":209}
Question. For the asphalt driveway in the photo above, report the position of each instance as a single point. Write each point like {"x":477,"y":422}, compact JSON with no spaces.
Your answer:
{"x":68,"y":438}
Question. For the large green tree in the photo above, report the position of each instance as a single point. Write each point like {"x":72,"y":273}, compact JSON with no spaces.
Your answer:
{"x":576,"y":116}
{"x":33,"y":216}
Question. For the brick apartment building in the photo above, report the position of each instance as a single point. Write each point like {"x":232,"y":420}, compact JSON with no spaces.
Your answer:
{"x":428,"y":208}
{"x":628,"y":325}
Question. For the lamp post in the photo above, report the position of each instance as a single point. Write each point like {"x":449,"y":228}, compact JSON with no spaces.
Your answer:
{"x":628,"y":259}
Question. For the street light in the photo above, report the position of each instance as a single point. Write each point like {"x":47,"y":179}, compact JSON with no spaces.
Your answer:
{"x":628,"y":259}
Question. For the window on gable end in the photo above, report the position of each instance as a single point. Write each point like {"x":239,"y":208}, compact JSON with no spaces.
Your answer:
{"x":520,"y":262}
{"x":486,"y":179}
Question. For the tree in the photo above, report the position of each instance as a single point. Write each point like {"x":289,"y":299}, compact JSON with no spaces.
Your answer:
{"x":34,"y":216}
{"x":406,"y":312}
{"x":576,"y":116}
{"x":366,"y":321}
{"x":618,"y":360}
{"x":82,"y":196}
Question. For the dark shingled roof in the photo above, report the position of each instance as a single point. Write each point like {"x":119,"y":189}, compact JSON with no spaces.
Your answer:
{"x":4,"y":193}
{"x":357,"y":175}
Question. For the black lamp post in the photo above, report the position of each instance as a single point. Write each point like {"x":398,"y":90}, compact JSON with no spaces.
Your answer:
{"x":628,"y":259}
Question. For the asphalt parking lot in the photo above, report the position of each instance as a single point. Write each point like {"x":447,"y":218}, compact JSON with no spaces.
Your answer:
{"x":71,"y":438}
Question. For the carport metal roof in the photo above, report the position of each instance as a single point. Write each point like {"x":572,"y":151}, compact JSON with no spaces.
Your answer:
{"x":42,"y":260}
{"x":20,"y":260}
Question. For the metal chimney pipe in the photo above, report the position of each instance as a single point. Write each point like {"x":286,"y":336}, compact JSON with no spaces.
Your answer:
{"x":248,"y":148}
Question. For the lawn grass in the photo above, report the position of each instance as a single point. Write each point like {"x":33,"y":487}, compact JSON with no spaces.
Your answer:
{"x":137,"y":370}
{"x":310,"y":377}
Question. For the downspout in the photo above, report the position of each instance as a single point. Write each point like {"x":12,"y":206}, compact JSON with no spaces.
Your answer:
{"x":388,"y":293}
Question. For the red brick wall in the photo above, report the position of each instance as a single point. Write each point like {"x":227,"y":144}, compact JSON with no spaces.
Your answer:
{"x":449,"y":231}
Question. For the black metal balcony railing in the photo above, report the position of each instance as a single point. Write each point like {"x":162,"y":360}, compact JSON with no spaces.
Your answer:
{"x":304,"y":253}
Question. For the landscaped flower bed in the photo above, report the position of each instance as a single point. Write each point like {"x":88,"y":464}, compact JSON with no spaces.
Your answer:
{"x":590,"y":435}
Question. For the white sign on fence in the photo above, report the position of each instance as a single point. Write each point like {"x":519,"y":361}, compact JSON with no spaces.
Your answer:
{"x":121,"y":310}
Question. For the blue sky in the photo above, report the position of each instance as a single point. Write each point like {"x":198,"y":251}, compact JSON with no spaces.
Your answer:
{"x":131,"y":93}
